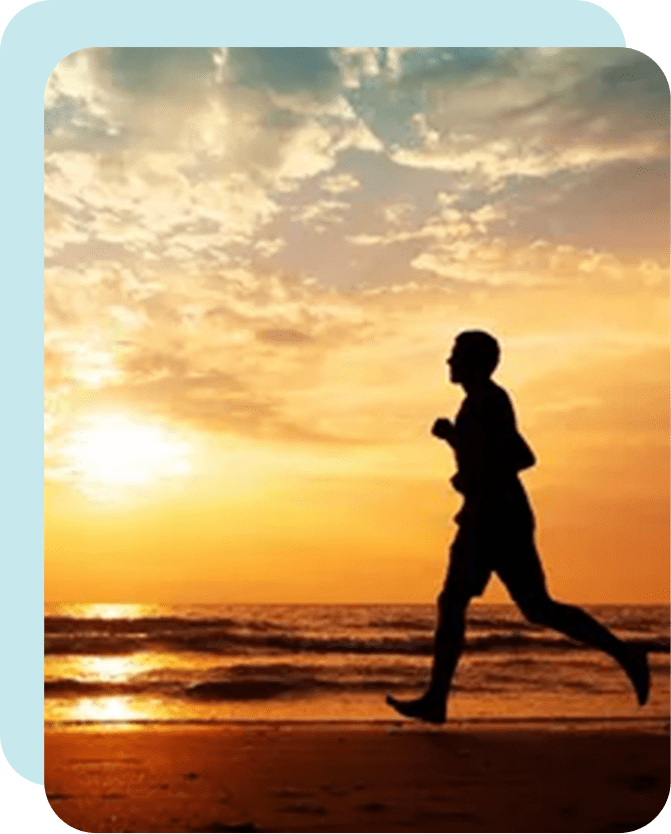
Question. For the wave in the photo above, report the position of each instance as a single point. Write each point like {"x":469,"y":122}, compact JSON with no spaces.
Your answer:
{"x":263,"y":682}
{"x":412,"y":624}
{"x":250,"y":685}
{"x":74,"y":688}
{"x":232,"y":637}
{"x":145,"y":625}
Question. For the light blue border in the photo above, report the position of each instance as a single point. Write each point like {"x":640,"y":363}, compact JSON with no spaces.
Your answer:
{"x":37,"y":39}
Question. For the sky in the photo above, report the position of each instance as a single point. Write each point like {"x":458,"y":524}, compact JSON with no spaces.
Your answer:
{"x":256,"y":262}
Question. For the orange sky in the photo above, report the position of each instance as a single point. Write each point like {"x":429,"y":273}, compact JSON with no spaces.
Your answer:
{"x":256,"y":262}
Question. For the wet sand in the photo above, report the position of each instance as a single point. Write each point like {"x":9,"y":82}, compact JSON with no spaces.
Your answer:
{"x":358,"y":777}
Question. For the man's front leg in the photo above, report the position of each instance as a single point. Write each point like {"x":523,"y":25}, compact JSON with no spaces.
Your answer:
{"x":448,"y":645}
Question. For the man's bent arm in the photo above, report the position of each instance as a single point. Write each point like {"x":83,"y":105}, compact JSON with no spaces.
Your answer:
{"x":444,"y":430}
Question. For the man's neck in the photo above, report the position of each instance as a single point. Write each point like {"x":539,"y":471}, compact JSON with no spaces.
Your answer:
{"x":473,"y":387}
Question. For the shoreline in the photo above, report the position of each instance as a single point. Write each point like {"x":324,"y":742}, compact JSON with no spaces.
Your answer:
{"x":659,"y":723}
{"x":358,"y":776}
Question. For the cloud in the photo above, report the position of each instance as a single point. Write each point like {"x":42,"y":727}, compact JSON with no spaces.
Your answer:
{"x":358,"y":63}
{"x":150,"y":204}
{"x":339,"y":183}
{"x":323,"y":211}
{"x":447,"y":224}
{"x":197,"y":167}
{"x":397,"y":213}
{"x":75,"y":101}
{"x":282,"y":336}
{"x":496,"y":262}
{"x":265,"y":356}
{"x":530,"y":114}
{"x":203,"y":208}
{"x":395,"y":58}
{"x":492,"y":163}
{"x":269,"y":247}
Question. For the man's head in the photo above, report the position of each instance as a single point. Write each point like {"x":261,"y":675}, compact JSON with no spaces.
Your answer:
{"x":474,"y":356}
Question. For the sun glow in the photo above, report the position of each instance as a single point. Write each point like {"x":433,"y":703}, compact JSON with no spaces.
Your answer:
{"x":111,"y":668}
{"x":115,"y":708}
{"x":114,"y":457}
{"x":108,"y":610}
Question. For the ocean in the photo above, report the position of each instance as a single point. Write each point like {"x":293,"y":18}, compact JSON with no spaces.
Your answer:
{"x":212,"y":663}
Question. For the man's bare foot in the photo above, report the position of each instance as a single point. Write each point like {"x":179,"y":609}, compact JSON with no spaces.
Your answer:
{"x":424,"y":709}
{"x":637,"y":668}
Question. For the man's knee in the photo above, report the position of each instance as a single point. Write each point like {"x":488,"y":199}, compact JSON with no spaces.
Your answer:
{"x":538,"y":609}
{"x":453,"y":600}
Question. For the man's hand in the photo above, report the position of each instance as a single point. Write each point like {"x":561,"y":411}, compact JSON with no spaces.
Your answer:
{"x":444,"y":430}
{"x":457,"y":481}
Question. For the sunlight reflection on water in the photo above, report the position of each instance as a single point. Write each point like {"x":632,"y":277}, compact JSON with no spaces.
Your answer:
{"x":113,"y":708}
{"x":104,"y":611}
{"x":111,"y":668}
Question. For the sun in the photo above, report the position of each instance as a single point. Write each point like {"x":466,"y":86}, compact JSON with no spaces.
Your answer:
{"x":112,"y":457}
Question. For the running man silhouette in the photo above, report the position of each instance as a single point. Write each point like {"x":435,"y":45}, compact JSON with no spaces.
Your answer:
{"x":496,"y":532}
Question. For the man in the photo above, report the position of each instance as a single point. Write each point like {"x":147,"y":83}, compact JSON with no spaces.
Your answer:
{"x":496,"y":532}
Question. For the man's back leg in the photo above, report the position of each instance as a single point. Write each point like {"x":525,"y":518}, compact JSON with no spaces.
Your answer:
{"x":528,"y":590}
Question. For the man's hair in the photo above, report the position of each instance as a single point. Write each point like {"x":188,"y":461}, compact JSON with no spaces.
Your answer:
{"x":482,"y":348}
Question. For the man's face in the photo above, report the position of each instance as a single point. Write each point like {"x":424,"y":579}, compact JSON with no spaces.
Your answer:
{"x":455,"y":363}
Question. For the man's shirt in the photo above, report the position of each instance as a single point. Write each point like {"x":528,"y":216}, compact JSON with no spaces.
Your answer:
{"x":489,"y":449}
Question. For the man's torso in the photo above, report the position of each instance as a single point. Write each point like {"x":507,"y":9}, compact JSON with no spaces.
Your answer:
{"x":486,"y":437}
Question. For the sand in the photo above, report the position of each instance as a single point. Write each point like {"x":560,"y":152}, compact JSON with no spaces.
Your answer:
{"x":358,"y":777}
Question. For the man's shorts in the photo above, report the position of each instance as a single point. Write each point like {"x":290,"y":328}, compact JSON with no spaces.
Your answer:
{"x":499,"y":542}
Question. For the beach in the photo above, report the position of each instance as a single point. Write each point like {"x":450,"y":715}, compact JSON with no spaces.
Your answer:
{"x":273,"y":718}
{"x":344,"y":776}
